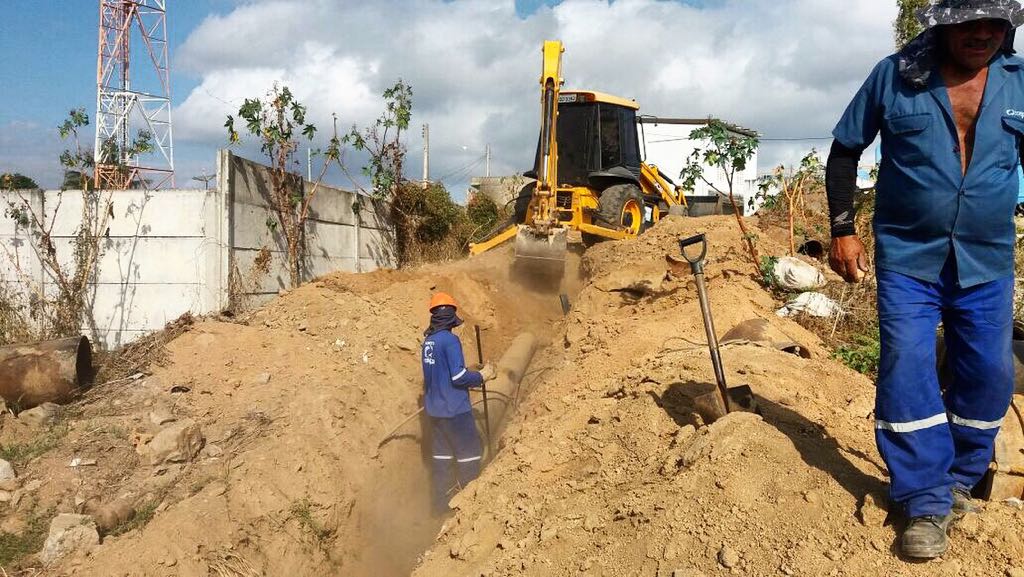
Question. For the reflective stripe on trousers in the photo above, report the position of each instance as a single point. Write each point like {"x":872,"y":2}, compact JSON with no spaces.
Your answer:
{"x":932,"y":441}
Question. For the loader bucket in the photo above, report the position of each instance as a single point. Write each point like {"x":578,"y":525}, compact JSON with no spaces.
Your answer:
{"x":540,"y":258}
{"x":534,"y":246}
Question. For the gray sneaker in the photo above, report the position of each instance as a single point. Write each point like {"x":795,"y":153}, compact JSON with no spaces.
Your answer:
{"x":925,"y":537}
{"x":963,"y":503}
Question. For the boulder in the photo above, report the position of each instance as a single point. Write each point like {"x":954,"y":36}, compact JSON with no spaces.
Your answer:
{"x":178,"y":443}
{"x":6,"y":472}
{"x":69,"y":534}
{"x":42,"y":416}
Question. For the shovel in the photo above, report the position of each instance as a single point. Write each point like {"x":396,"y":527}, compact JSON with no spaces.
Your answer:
{"x":716,"y":404}
{"x":483,"y":389}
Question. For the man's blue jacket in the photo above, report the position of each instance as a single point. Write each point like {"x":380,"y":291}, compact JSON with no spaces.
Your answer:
{"x":926,"y":206}
{"x":446,"y":379}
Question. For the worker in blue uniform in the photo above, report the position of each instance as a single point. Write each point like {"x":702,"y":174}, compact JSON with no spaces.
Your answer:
{"x":950,"y":111}
{"x":455,"y":443}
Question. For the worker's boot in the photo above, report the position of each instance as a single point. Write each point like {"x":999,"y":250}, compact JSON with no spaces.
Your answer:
{"x":925,"y":536}
{"x":962,"y":502}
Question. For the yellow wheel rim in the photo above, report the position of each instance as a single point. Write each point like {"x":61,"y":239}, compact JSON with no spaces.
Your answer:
{"x":632,"y":216}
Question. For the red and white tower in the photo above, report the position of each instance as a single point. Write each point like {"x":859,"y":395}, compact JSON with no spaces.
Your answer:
{"x":133,"y":95}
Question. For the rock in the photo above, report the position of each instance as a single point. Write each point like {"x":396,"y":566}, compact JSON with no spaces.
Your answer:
{"x":548,"y":532}
{"x":69,"y":534}
{"x":110,"y":515}
{"x":834,"y":554}
{"x":874,"y":510}
{"x":263,"y":378}
{"x":728,"y":557}
{"x":44,"y":415}
{"x":160,"y":415}
{"x":1015,"y":572}
{"x":177,"y":443}
{"x":213,"y":451}
{"x":5,"y":496}
{"x":6,"y":472}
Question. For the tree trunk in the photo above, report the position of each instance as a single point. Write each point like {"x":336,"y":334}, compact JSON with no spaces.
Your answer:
{"x":746,"y":236}
{"x":792,"y":244}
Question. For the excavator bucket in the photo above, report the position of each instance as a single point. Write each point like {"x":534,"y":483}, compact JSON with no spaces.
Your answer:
{"x":540,"y":258}
{"x":546,"y":249}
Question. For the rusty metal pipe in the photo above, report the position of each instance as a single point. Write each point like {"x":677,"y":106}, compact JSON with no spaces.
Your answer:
{"x":48,"y":372}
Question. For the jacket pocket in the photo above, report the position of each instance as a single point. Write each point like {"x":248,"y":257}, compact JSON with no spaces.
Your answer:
{"x":1010,"y":150}
{"x":910,"y":138}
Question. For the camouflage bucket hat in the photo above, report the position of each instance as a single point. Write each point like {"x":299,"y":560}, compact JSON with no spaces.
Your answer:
{"x":946,"y":12}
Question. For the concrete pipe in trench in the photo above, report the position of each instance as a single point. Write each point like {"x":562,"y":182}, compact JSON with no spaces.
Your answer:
{"x":510,"y":371}
{"x":46,"y":372}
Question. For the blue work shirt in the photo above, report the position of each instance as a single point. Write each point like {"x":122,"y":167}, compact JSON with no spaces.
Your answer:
{"x":446,"y":379}
{"x":925,"y":205}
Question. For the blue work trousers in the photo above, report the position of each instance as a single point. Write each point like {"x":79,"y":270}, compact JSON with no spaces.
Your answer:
{"x":456,"y":453}
{"x":932,"y":440}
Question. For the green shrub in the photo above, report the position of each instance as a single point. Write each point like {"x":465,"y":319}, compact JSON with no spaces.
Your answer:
{"x":862,"y":354}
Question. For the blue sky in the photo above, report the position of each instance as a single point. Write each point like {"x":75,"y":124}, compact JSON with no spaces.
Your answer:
{"x":52,"y":54}
{"x":472,"y":64}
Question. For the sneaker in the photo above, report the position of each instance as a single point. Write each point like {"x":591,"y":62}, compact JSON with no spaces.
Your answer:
{"x":925,"y":536}
{"x":963,"y":503}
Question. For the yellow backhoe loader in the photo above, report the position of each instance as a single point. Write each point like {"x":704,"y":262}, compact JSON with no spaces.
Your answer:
{"x":589,"y":173}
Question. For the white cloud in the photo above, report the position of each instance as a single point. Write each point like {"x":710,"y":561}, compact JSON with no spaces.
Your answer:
{"x":783,"y":67}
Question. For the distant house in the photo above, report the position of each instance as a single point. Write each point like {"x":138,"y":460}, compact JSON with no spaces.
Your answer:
{"x":666,"y":143}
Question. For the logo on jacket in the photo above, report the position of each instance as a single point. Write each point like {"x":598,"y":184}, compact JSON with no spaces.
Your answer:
{"x":428,"y":353}
{"x":1015,"y":113}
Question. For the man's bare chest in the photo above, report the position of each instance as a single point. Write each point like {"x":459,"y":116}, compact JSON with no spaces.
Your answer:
{"x":965,"y":100}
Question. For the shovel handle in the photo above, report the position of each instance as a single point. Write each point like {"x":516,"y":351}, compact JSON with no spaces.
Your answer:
{"x":695,"y":239}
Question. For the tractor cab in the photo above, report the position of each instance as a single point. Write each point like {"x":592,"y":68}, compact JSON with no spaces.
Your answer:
{"x":597,"y":140}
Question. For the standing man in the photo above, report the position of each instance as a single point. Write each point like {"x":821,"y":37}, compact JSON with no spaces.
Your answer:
{"x":950,"y":110}
{"x":455,"y":443}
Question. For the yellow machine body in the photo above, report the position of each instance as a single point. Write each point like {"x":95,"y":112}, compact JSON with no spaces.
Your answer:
{"x":588,"y":171}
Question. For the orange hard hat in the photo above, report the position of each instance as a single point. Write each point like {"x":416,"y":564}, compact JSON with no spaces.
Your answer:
{"x":442,"y":299}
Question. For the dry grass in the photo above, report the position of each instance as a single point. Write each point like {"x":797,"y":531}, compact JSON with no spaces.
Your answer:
{"x":231,"y":564}
{"x":137,"y":356}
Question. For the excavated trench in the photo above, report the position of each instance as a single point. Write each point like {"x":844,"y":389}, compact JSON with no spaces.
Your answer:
{"x":393,"y":518}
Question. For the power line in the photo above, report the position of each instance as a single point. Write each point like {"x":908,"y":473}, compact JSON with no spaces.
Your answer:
{"x":765,"y":139}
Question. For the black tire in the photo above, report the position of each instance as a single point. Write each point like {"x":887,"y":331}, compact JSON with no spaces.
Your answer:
{"x":615,"y":207}
{"x":612,"y":211}
{"x":522,"y":203}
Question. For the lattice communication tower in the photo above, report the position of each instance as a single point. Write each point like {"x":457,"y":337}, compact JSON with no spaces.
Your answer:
{"x":133,"y":95}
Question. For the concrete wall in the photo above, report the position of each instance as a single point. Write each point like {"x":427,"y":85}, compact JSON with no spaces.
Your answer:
{"x":338,"y":238}
{"x":169,"y":252}
{"x":161,"y":257}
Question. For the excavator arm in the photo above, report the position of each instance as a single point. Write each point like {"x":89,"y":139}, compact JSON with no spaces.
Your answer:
{"x":653,"y":181}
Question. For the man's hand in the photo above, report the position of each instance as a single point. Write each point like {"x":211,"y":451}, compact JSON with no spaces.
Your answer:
{"x":487,"y":372}
{"x":846,"y":257}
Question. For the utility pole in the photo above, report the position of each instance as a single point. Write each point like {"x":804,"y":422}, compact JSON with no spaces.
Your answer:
{"x":426,"y":155}
{"x":487,"y":152}
{"x":309,"y":164}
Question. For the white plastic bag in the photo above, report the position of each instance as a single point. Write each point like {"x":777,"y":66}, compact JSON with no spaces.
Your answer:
{"x":794,"y":274}
{"x":811,"y":303}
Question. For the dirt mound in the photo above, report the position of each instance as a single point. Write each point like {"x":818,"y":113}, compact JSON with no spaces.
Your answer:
{"x":290,"y":407}
{"x":607,"y":471}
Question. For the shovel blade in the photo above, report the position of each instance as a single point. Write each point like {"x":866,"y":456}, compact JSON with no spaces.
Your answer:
{"x":710,"y":407}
